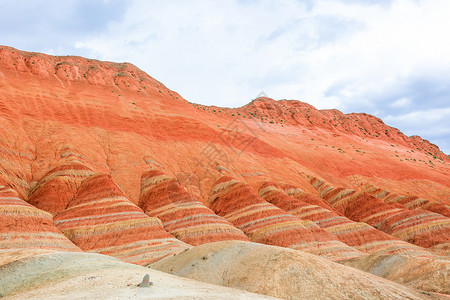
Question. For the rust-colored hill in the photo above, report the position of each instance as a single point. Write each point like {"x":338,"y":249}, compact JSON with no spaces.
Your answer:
{"x":100,"y":157}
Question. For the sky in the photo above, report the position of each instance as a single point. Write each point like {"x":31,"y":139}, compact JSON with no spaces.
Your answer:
{"x":389,"y":58}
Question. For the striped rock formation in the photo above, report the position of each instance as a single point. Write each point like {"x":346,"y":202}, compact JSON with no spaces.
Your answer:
{"x":187,"y":218}
{"x":265,"y":223}
{"x":419,"y":227}
{"x":23,"y":226}
{"x":410,"y":201}
{"x":58,"y":187}
{"x":17,"y":153}
{"x":358,"y":235}
{"x":312,"y":199}
{"x":102,"y":219}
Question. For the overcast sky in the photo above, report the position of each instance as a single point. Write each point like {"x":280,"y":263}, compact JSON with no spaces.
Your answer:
{"x":390,"y":58}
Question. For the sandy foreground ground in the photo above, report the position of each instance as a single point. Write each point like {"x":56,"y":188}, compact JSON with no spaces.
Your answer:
{"x":93,"y":276}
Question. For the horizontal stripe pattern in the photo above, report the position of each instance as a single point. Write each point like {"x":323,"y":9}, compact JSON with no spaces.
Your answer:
{"x":102,"y":219}
{"x":410,"y":201}
{"x":55,"y":190}
{"x":16,"y":157}
{"x":183,"y":215}
{"x":23,"y":226}
{"x":420,"y":227}
{"x":265,"y":223}
{"x":358,"y":235}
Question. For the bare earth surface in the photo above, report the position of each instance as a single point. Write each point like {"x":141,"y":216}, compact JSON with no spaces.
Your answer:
{"x":94,"y":276}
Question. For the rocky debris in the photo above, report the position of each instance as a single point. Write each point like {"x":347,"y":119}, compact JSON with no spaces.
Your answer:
{"x":87,"y":276}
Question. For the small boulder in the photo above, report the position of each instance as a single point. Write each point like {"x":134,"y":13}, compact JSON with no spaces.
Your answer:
{"x":145,"y":282}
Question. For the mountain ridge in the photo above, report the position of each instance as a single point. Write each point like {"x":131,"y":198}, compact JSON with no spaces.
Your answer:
{"x":128,"y":76}
{"x":106,"y":160}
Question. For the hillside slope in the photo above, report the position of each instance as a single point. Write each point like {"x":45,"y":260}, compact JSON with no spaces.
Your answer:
{"x":101,"y":157}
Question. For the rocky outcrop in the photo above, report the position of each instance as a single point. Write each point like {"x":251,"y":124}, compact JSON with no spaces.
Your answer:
{"x":102,"y":219}
{"x":23,"y":226}
{"x":187,"y":218}
{"x":292,"y":112}
{"x":73,"y":68}
{"x":265,"y":223}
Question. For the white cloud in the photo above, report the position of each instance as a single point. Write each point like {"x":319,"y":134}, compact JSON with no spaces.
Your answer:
{"x":400,"y":103}
{"x":428,"y":116}
{"x":230,"y":51}
{"x":430,"y":124}
{"x":348,"y":55}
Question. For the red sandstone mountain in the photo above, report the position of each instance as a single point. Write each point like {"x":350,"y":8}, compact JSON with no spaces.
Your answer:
{"x":100,"y":157}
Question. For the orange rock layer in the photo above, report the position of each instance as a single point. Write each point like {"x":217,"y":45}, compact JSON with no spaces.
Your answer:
{"x":265,"y":223}
{"x":188,"y":219}
{"x":410,"y":201}
{"x":23,"y":226}
{"x":419,"y":227}
{"x":58,"y":187}
{"x":358,"y":235}
{"x":16,"y":155}
{"x":102,"y":219}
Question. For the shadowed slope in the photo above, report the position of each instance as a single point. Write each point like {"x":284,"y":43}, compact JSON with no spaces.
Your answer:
{"x":358,"y":235}
{"x":265,"y":223}
{"x":186,"y":218}
{"x":23,"y":226}
{"x":102,"y":219}
{"x":422,"y":228}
